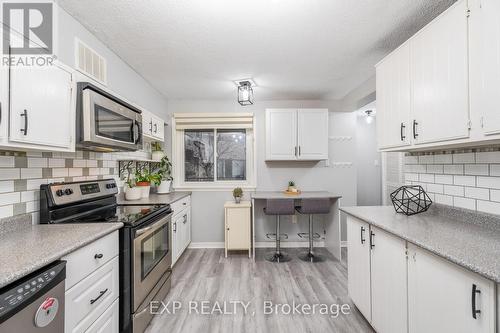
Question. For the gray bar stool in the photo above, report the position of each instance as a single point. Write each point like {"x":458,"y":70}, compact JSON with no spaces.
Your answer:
{"x":312,"y":206}
{"x":278,"y":207}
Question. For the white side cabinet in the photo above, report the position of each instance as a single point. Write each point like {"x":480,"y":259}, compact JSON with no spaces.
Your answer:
{"x":237,"y":218}
{"x":34,"y":101}
{"x":444,"y":297}
{"x":153,"y":127}
{"x":181,"y":227}
{"x":296,"y":134}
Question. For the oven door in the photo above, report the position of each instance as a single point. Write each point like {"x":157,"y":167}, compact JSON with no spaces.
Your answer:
{"x":109,"y":124}
{"x":152,"y":257}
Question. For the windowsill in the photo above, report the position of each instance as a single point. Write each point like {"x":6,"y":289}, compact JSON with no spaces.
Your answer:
{"x":213,"y":188}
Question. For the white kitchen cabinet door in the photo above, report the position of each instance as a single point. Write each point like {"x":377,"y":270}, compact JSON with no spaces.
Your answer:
{"x":484,"y":29}
{"x":388,"y":282}
{"x":393,"y":99}
{"x":177,"y":236}
{"x":4,"y":105}
{"x":441,"y":296}
{"x":158,"y":129}
{"x":281,"y":134}
{"x":358,"y":265}
{"x":439,"y":76}
{"x":186,"y":229}
{"x":312,"y":132}
{"x":147,"y":123}
{"x":41,"y":108}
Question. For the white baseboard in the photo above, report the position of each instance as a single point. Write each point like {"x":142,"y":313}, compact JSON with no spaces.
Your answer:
{"x":343,"y":244}
{"x":206,"y":245}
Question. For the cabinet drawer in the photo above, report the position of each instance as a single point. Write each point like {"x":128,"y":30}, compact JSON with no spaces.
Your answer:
{"x":107,"y":322}
{"x":87,"y":259}
{"x":90,"y":298}
{"x":180,"y":204}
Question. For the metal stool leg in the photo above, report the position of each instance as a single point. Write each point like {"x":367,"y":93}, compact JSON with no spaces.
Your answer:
{"x":277,"y":255}
{"x":310,"y":255}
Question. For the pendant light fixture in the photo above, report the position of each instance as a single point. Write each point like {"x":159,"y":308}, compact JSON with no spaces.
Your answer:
{"x":245,"y":91}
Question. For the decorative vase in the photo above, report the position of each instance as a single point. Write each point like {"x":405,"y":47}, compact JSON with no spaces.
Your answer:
{"x":144,"y":187}
{"x":237,"y":200}
{"x":157,"y":155}
{"x":164,"y":187}
{"x":132,"y":193}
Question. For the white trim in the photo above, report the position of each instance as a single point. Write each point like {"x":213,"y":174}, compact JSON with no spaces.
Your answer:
{"x":343,"y":243}
{"x":206,"y":245}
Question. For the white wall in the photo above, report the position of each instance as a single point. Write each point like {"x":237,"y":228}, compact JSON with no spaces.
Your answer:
{"x":122,"y":79}
{"x":207,"y":212}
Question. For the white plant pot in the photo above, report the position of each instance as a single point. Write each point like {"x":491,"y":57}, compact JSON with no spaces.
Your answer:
{"x":157,"y":155}
{"x":132,"y":193}
{"x":144,"y":191}
{"x":164,"y":186}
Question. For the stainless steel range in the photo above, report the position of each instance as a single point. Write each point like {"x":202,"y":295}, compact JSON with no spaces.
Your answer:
{"x":145,"y":241}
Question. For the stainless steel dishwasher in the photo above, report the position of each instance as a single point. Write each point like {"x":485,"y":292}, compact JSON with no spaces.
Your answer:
{"x":35,"y":303}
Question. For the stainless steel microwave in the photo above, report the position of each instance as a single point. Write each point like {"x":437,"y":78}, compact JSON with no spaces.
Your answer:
{"x":106,"y":123}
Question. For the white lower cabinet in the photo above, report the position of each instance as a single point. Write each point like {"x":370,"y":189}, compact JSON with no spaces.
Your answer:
{"x":358,"y":265}
{"x":181,"y":227}
{"x":92,"y":288}
{"x":388,"y":282}
{"x":444,"y":297}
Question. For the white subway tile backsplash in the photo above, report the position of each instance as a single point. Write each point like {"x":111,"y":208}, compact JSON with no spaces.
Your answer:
{"x":7,"y":161}
{"x":417,"y":168}
{"x":79,"y":163}
{"x":464,"y":203}
{"x":30,"y":196}
{"x":91,"y":164}
{"x":411,"y":177}
{"x":426,"y":159}
{"x":464,"y":180}
{"x":463,"y":158}
{"x":426,"y":178}
{"x":34,"y":184}
{"x":488,"y":182}
{"x":495,"y":195}
{"x":30,"y":173}
{"x":477,"y":193}
{"x":434,"y":168}
{"x":443,"y":199}
{"x":57,"y":162}
{"x":443,"y":159}
{"x":94,"y":171}
{"x":494,"y":169}
{"x":6,"y":211}
{"x":444,"y":179}
{"x":488,"y":207}
{"x":488,"y":157}
{"x":10,"y":198}
{"x":32,"y":206}
{"x":454,"y":190}
{"x":8,"y":174}
{"x":37,"y":162}
{"x":6,"y":186}
{"x":60,"y":172}
{"x":75,"y":172}
{"x":454,"y":169}
{"x":435,"y":188}
{"x":477,"y":169}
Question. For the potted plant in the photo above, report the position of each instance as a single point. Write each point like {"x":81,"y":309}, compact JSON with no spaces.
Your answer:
{"x":156,"y":151}
{"x":237,"y":194}
{"x":143,"y":181}
{"x":131,"y":191}
{"x":165,"y":176}
{"x":291,"y":186}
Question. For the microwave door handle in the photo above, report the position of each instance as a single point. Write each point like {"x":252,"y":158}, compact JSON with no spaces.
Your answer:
{"x":138,"y":126}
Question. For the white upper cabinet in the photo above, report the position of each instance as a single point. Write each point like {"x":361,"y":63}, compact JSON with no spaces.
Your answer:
{"x":152,"y":126}
{"x":393,"y":99}
{"x":296,"y":134}
{"x":443,"y":297}
{"x":41,"y":110}
{"x":484,"y":30}
{"x":439,"y":78}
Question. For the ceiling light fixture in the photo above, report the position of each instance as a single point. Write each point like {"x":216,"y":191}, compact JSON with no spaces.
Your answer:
{"x":245,"y":91}
{"x":369,"y":117}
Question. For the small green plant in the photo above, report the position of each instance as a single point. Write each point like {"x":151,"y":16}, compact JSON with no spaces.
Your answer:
{"x":143,"y":177}
{"x":156,"y":146}
{"x":165,"y":170}
{"x":237,"y":192}
{"x":291,"y":183}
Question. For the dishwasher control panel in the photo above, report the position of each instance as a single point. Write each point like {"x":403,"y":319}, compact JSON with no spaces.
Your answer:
{"x":27,"y":289}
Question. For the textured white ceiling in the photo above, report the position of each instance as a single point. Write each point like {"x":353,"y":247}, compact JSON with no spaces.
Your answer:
{"x":294,"y":49}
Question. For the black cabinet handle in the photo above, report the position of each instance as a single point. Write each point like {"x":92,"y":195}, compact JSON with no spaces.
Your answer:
{"x":299,"y":150}
{"x":295,"y":150}
{"x":372,"y":239}
{"x":403,"y":136}
{"x":156,"y":128}
{"x":362,"y":232}
{"x":98,"y":256}
{"x":415,"y":134}
{"x":151,"y":126}
{"x":101,"y":293}
{"x":175,"y":226}
{"x":25,"y":115}
{"x":475,"y":291}
{"x":185,"y":218}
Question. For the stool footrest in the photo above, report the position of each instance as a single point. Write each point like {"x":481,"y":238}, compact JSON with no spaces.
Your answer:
{"x":273,"y":236}
{"x":306,"y":235}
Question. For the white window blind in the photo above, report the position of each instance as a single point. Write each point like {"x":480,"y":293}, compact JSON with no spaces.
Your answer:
{"x":213,"y":120}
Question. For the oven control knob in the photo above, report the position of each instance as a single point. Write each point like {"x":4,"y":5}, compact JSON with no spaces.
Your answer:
{"x":108,"y":186}
{"x":59,"y":193}
{"x":68,"y":191}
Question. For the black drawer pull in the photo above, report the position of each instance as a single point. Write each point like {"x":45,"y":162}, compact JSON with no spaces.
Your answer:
{"x":475,"y":291}
{"x":372,"y":239}
{"x":25,"y":129}
{"x":101,"y":293}
{"x":98,"y":256}
{"x":415,"y":134}
{"x":403,"y":137}
{"x":362,"y":232}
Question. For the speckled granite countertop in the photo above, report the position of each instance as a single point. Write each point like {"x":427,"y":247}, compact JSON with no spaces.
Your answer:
{"x":27,"y":248}
{"x":154,"y":198}
{"x":472,"y":242}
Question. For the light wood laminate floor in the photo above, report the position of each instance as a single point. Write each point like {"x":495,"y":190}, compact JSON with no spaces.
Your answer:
{"x":205,"y":275}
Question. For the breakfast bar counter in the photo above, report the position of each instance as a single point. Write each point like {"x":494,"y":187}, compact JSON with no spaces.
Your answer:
{"x":332,"y":225}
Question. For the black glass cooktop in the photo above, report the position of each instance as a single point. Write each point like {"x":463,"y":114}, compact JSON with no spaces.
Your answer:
{"x":127,"y":214}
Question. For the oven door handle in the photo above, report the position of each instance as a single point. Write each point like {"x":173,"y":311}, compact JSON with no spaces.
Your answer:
{"x":154,"y":226}
{"x":143,"y":230}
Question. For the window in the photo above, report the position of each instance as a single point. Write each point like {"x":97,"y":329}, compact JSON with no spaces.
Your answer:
{"x":213,"y":151}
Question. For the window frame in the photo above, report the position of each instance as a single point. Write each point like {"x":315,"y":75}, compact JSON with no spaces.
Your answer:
{"x":178,"y":158}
